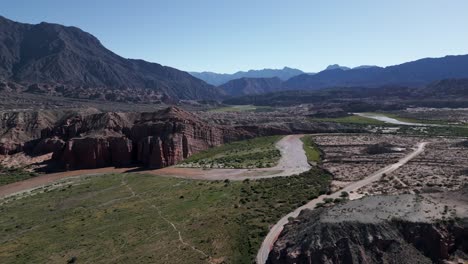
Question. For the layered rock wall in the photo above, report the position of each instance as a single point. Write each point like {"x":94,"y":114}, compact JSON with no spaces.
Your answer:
{"x":154,"y":140}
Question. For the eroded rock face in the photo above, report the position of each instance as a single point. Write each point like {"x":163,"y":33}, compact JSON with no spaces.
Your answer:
{"x":154,"y":140}
{"x":91,"y":152}
{"x":17,"y":128}
{"x":384,"y":229}
{"x":23,"y":130}
{"x":165,"y":138}
{"x":48,"y":145}
{"x":89,"y":139}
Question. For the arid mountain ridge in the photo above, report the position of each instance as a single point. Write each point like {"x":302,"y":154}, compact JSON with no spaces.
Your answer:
{"x":51,"y":58}
{"x":65,"y":61}
{"x":441,"y":93}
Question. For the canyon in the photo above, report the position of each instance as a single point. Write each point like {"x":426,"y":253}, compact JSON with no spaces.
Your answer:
{"x":86,"y":139}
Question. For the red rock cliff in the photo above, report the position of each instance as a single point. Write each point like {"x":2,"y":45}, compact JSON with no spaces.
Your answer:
{"x":154,"y":140}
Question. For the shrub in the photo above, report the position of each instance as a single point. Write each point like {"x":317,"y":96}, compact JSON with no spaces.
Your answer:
{"x":319,"y":205}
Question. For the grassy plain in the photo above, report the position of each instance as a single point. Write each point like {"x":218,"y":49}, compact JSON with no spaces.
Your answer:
{"x":135,"y":218}
{"x":252,"y":153}
{"x":353,"y":119}
{"x":10,"y":175}
{"x":311,"y":149}
{"x":243,"y":108}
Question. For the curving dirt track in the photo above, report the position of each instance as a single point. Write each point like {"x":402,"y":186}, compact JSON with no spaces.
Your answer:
{"x":43,"y":180}
{"x":275,"y":231}
{"x":292,"y":161}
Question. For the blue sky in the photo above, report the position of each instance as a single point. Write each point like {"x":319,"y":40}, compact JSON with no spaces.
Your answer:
{"x":226,"y":36}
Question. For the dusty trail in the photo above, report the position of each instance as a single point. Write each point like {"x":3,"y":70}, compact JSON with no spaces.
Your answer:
{"x":292,"y":161}
{"x":181,"y":240}
{"x":47,"y":179}
{"x":275,"y":231}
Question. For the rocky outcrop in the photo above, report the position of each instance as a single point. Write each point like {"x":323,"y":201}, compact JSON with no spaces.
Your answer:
{"x":384,"y":229}
{"x":92,"y":152}
{"x":34,"y":131}
{"x":154,"y":140}
{"x":89,"y":139}
{"x":48,"y":145}
{"x":167,"y":137}
{"x":17,"y":128}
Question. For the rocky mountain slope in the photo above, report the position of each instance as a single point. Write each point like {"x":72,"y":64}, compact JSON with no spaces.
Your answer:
{"x":51,"y":58}
{"x":454,"y":88}
{"x":250,"y":86}
{"x":444,"y":93}
{"x":220,"y":78}
{"x":413,"y":74}
{"x":427,"y":228}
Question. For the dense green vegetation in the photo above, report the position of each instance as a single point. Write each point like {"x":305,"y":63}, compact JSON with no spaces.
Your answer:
{"x":353,"y":119}
{"x":10,"y":175}
{"x":444,"y":130}
{"x":253,"y":153}
{"x":411,"y":120}
{"x":135,"y":218}
{"x":243,"y":108}
{"x":311,"y":149}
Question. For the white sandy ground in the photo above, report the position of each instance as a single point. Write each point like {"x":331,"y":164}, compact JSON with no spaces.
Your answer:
{"x":275,"y":231}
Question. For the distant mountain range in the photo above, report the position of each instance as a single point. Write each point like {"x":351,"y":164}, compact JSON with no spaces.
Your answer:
{"x":251,"y":86}
{"x":71,"y":59}
{"x":442,"y":93}
{"x":222,"y":78}
{"x":336,"y":66}
{"x":66,"y":61}
{"x":284,"y":74}
{"x":344,"y":68}
{"x":413,"y":74}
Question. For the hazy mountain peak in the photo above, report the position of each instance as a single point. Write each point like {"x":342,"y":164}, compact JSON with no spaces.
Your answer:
{"x":337,"y":66}
{"x":415,"y":73}
{"x":365,"y":67}
{"x":218,"y":79}
{"x":248,"y":85}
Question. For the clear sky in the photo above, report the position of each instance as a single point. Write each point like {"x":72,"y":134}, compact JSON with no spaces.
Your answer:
{"x":227,"y":36}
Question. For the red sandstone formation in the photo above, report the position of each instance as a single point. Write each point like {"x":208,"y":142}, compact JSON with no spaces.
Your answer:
{"x":154,"y":140}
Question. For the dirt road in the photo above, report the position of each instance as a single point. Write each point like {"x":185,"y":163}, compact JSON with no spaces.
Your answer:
{"x":275,"y":231}
{"x":292,"y":161}
{"x":43,"y":180}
